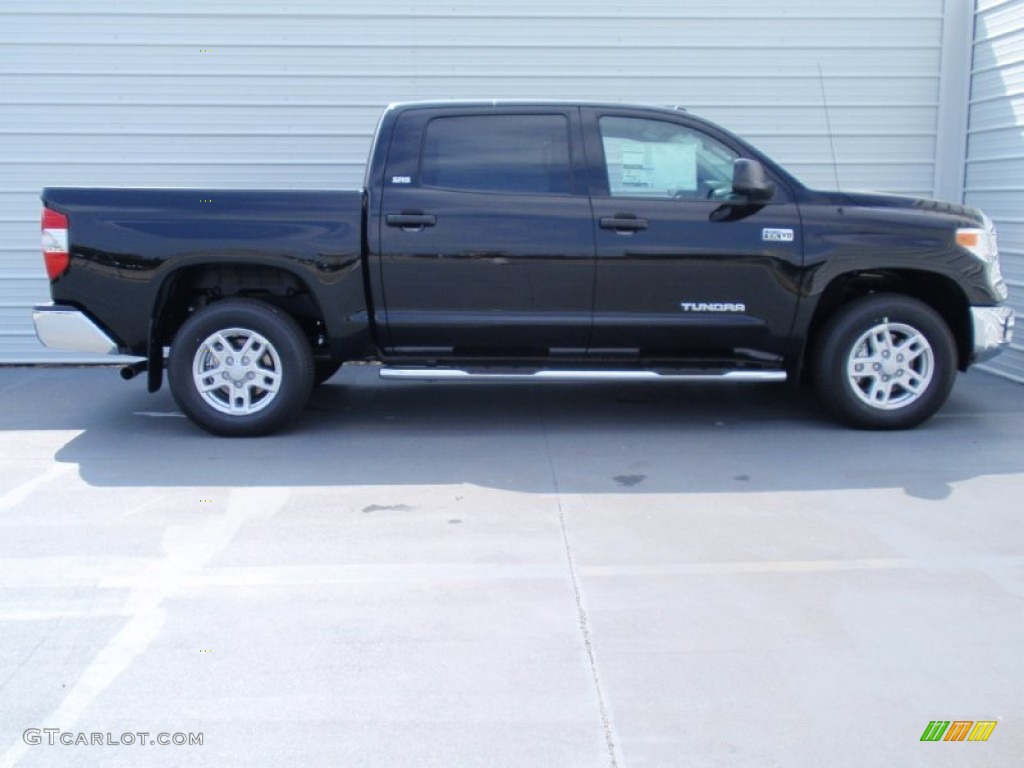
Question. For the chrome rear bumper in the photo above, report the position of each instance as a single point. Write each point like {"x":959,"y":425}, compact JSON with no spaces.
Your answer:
{"x":66,"y":328}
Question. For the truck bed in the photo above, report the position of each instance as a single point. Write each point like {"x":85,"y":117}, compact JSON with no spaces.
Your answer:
{"x":126,"y":242}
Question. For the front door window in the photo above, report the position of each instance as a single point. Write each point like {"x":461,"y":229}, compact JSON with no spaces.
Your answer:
{"x":660,"y":160}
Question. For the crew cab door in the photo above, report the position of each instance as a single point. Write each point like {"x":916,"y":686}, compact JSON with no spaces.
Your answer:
{"x":684,"y":270}
{"x":486,"y":246}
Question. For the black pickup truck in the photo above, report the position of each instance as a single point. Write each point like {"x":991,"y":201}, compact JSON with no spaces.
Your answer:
{"x":529,"y":240}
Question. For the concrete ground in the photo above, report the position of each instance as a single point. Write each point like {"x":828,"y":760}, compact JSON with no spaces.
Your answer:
{"x":505,"y":575}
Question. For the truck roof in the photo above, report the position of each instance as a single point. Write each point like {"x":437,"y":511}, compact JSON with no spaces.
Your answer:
{"x":485,"y":103}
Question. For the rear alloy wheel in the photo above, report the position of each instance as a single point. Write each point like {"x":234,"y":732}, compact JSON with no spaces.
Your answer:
{"x":240,"y":367}
{"x":885,"y":362}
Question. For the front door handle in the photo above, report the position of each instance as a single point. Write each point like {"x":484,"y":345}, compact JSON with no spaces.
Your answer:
{"x":410,"y":222}
{"x":623,"y":223}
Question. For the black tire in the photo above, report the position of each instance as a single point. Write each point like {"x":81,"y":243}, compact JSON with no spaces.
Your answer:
{"x":279,"y":355}
{"x":323,"y":370}
{"x":909,"y":362}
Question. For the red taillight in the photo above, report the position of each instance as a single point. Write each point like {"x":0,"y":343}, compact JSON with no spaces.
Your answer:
{"x":55,"y":243}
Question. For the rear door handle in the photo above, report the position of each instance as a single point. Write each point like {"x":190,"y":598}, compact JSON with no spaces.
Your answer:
{"x":623,"y":223}
{"x":410,"y":222}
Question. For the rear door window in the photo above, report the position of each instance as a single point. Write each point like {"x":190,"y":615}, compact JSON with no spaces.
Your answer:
{"x":519,"y":154}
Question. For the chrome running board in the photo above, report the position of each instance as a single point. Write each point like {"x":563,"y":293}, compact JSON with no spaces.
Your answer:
{"x":437,"y":374}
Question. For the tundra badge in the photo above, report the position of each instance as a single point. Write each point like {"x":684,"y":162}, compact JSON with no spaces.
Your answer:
{"x":712,"y":306}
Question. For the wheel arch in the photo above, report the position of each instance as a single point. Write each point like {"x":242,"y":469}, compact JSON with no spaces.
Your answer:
{"x":939,"y":292}
{"x":194,"y":286}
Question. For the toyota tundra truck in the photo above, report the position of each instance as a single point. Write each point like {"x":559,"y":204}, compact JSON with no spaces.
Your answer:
{"x":529,"y":241}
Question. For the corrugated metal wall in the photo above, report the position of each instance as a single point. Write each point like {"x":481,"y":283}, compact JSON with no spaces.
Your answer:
{"x":261,"y":93}
{"x":995,"y":147}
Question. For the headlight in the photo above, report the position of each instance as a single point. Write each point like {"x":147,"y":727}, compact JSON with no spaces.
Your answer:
{"x":984,"y":245}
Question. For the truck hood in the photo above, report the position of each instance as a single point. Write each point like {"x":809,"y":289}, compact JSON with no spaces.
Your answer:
{"x":881,"y":200}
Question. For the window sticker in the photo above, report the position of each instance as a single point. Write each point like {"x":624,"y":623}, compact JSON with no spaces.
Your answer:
{"x":650,"y":169}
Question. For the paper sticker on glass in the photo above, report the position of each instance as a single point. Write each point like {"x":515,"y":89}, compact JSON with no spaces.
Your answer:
{"x":651,"y":158}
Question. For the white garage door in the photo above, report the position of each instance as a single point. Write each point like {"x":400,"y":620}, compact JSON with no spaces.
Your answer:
{"x":221,"y":93}
{"x":995,"y":146}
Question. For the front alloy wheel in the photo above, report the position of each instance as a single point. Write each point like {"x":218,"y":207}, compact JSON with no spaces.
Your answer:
{"x":890,"y":366}
{"x":884,"y":361}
